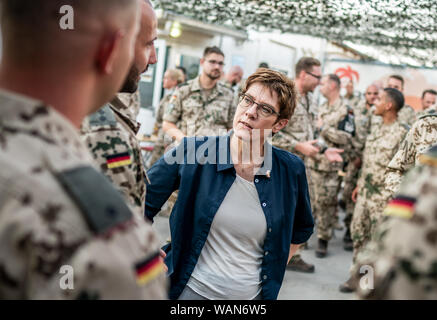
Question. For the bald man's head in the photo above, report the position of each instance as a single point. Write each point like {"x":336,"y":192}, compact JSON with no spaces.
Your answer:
{"x":31,"y":28}
{"x":371,"y":94}
{"x":234,"y":75}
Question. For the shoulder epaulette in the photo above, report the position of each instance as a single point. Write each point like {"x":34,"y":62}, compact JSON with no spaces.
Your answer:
{"x":431,"y":113}
{"x":103,"y":117}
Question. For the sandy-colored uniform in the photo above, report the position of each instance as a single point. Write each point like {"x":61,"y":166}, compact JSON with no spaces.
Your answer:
{"x":110,"y":135}
{"x":199,"y":112}
{"x":422,"y":135}
{"x":65,"y":232}
{"x":403,"y":250}
{"x":162,"y":141}
{"x":362,"y":117}
{"x":381,"y":145}
{"x":324,"y":174}
{"x":407,"y":115}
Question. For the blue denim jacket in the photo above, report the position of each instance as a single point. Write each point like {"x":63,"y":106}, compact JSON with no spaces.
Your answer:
{"x":203,"y":183}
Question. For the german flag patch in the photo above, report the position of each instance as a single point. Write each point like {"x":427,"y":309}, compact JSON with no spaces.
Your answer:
{"x":118,"y":160}
{"x":400,"y":206}
{"x":149,"y":269}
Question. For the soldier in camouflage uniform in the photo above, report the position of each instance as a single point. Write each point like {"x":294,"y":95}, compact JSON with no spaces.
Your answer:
{"x":422,"y":135}
{"x":298,"y":136}
{"x":406,"y":114}
{"x":172,"y":78}
{"x":362,"y":116}
{"x":429,"y":99}
{"x":202,"y":106}
{"x":352,"y":98}
{"x":381,"y":145}
{"x":403,"y":251}
{"x":336,"y":127}
{"x":111,"y":132}
{"x":65,"y":232}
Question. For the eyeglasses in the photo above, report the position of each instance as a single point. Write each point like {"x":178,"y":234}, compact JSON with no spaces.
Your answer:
{"x":263,"y":110}
{"x":220,"y":63}
{"x":314,"y":75}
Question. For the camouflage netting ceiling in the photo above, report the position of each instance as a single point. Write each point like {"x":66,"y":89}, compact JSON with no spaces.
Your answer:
{"x":407,"y":27}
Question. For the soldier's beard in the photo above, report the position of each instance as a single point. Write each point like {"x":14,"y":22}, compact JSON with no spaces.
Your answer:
{"x":131,"y":83}
{"x":212,"y":76}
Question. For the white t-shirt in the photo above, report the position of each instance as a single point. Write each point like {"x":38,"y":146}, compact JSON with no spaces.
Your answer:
{"x":229,"y":265}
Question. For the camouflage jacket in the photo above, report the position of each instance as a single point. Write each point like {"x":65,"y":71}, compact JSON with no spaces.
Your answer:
{"x":60,"y":217}
{"x":331,"y":135}
{"x":354,"y":101}
{"x":194,"y":116}
{"x":110,"y":135}
{"x":403,"y":251}
{"x":407,"y":115}
{"x":422,"y":135}
{"x":157,"y":130}
{"x":300,"y":128}
{"x":381,"y":144}
{"x":363,"y":119}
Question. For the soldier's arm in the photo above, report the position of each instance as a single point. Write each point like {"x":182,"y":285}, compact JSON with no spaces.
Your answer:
{"x":172,"y":115}
{"x":338,"y":137}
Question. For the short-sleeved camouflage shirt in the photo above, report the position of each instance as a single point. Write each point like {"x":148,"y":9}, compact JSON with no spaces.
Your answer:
{"x":60,"y":217}
{"x":196,"y":116}
{"x":110,"y":135}
{"x":422,"y":135}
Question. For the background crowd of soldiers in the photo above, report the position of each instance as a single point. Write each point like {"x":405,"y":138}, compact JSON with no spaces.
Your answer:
{"x":59,"y":146}
{"x":381,"y":138}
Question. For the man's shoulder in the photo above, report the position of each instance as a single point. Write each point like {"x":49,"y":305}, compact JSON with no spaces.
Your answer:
{"x":102,"y":118}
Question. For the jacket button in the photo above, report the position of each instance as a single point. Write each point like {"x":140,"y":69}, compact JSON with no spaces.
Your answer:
{"x":266,"y":253}
{"x":256,"y":180}
{"x":264,"y":204}
{"x":265,"y":277}
{"x":270,"y":229}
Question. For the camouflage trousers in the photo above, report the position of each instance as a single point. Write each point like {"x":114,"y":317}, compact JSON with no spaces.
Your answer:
{"x":368,"y":212}
{"x":326,"y":186}
{"x":350,"y":182}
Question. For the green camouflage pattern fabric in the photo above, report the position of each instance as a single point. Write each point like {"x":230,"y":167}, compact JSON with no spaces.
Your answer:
{"x":422,"y":135}
{"x":109,"y":133}
{"x":300,"y":128}
{"x":407,"y":115}
{"x":195,"y":116}
{"x":162,"y":141}
{"x":324,"y":175}
{"x":43,"y":228}
{"x":381,"y":144}
{"x":362,"y":117}
{"x":331,"y":135}
{"x":403,"y":249}
{"x":354,"y":101}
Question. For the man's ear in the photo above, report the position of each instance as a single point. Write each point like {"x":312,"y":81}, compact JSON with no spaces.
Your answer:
{"x":279,"y":125}
{"x":107,"y":52}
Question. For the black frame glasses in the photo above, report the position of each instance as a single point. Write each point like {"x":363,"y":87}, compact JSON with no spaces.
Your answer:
{"x":314,"y":75}
{"x":261,"y":108}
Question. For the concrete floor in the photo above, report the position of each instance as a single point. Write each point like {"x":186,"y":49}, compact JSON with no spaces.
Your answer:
{"x":323,"y":284}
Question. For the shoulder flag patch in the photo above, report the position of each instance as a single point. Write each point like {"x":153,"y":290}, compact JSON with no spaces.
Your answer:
{"x":149,"y":269}
{"x":118,"y":160}
{"x":400,"y":206}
